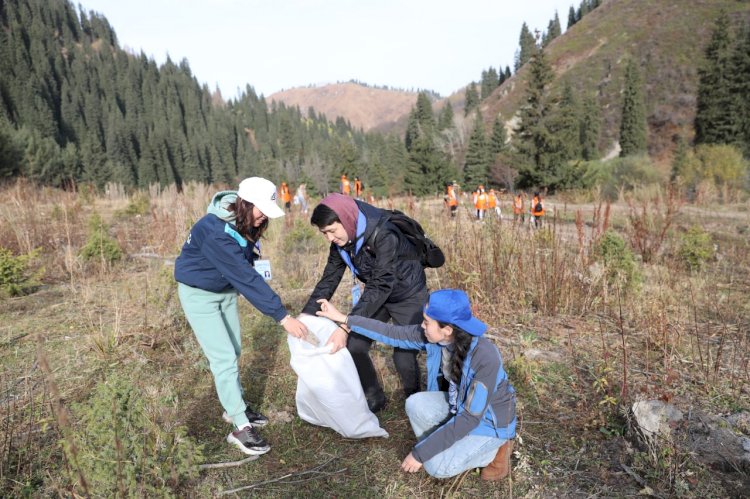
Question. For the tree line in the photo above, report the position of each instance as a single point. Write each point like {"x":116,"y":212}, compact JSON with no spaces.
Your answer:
{"x":76,"y":108}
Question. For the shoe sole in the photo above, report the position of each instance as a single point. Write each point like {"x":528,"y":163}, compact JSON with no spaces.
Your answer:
{"x":249,"y":451}
{"x":227,"y":419}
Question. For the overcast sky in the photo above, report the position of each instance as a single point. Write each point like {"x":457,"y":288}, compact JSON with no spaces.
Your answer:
{"x":272,"y":45}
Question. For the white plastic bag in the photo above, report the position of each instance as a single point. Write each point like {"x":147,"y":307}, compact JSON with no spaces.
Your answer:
{"x":328,"y":389}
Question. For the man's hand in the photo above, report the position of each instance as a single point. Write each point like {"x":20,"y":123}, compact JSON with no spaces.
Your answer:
{"x":338,"y":339}
{"x":294,"y":327}
{"x":410,"y":464}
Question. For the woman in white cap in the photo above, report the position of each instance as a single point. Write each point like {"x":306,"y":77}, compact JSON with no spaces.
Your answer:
{"x":215,"y":265}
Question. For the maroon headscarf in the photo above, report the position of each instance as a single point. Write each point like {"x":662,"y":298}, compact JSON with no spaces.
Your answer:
{"x":347,"y":211}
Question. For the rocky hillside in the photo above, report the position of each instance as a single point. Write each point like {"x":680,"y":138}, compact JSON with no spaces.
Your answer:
{"x":667,"y":38}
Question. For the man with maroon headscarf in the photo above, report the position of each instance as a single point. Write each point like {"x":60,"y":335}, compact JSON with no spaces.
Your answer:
{"x":395,"y":286}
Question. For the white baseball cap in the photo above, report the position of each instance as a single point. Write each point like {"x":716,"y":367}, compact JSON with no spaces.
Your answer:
{"x":262,"y":193}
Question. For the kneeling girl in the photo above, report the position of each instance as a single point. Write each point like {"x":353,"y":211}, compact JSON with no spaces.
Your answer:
{"x":472,"y":424}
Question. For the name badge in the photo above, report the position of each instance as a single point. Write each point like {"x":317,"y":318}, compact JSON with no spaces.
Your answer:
{"x":263,"y":267}
{"x":356,"y":293}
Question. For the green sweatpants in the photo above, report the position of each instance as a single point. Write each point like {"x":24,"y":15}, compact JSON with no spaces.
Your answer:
{"x":216,"y":324}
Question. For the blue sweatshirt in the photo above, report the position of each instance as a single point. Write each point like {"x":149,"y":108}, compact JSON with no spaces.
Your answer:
{"x":217,"y":258}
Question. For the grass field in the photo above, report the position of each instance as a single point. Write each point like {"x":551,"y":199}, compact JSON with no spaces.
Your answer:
{"x":104,"y":391}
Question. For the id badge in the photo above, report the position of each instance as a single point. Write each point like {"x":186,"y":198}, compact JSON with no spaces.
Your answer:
{"x":356,"y":293}
{"x":263,"y":267}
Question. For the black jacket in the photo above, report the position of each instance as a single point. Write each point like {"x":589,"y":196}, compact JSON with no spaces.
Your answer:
{"x":387,"y":264}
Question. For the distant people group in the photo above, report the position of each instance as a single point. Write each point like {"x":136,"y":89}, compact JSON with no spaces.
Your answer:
{"x":467,"y":416}
{"x":488,"y":203}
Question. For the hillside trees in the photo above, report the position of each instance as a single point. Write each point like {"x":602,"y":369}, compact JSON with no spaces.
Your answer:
{"x":633,"y":127}
{"x":427,"y":166}
{"x":723,"y":111}
{"x":80,"y":109}
{"x":471,"y":98}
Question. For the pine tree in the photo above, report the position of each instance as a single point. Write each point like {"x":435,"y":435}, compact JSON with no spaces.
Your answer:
{"x":471,"y":98}
{"x":591,"y":120}
{"x":571,"y":17}
{"x":533,"y":140}
{"x":476,"y":165}
{"x":633,"y":127}
{"x":553,"y":30}
{"x":526,"y":46}
{"x":445,"y":121}
{"x":499,"y":136}
{"x":489,"y":82}
{"x":741,"y":87}
{"x":716,"y":120}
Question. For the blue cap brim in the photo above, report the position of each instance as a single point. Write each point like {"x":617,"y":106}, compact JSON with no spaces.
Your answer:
{"x":473,"y":326}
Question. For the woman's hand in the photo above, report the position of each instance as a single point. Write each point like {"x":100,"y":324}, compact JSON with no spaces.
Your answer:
{"x":295,"y":327}
{"x":329,"y":311}
{"x":338,"y":339}
{"x":410,"y":464}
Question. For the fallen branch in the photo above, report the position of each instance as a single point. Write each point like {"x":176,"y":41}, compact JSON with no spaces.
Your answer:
{"x":229,"y":464}
{"x":283,"y":479}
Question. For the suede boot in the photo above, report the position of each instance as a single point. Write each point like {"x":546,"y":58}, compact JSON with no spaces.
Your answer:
{"x":500,"y":466}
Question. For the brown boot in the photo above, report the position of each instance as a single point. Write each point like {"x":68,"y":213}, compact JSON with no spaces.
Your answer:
{"x":500,"y":466}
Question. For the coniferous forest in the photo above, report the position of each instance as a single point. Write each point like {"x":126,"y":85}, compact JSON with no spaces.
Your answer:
{"x":76,"y":108}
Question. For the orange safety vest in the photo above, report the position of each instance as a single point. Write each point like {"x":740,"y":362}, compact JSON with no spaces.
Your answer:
{"x":286,"y":197}
{"x":345,"y":189}
{"x":481,"y":203}
{"x":533,"y":207}
{"x":493,"y":200}
{"x":358,"y":187}
{"x":518,"y":205}
{"x":452,"y":201}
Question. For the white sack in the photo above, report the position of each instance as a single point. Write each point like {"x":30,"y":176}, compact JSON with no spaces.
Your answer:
{"x":328,"y":389}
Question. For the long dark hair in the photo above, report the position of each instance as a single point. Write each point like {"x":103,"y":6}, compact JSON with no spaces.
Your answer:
{"x":461,"y":346}
{"x":245,"y":221}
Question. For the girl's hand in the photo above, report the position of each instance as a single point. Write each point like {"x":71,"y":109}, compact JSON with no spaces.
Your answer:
{"x":295,"y":327}
{"x":329,"y":311}
{"x":410,"y":464}
{"x":338,"y":339}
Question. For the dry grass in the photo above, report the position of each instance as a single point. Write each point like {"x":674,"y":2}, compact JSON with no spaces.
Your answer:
{"x":577,"y":349}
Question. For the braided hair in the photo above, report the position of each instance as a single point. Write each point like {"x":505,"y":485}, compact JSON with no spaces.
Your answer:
{"x":461,"y":345}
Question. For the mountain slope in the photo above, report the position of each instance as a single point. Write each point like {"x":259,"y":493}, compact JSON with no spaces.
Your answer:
{"x":667,"y":38}
{"x":364,"y":107}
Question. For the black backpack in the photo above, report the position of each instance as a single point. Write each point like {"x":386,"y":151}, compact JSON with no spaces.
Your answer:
{"x":538,"y":208}
{"x":430,"y":255}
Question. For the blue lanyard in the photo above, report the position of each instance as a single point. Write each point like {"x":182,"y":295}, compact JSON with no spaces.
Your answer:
{"x":360,"y":241}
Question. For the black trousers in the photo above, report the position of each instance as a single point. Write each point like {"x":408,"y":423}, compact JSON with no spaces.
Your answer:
{"x":403,"y":313}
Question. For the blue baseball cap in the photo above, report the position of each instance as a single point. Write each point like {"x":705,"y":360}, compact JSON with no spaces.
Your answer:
{"x":452,"y":306}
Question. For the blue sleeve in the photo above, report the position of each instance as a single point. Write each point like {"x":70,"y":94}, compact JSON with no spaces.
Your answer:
{"x":224,"y":252}
{"x":408,"y":337}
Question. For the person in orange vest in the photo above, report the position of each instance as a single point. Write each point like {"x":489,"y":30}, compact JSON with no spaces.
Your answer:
{"x":518,"y":209}
{"x":480,"y":202}
{"x":537,"y":210}
{"x":345,"y":186}
{"x":451,"y":198}
{"x":493,"y":203}
{"x":286,"y":197}
{"x":357,"y":188}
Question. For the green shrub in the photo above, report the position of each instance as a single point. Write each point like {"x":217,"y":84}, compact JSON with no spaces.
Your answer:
{"x":621,"y":174}
{"x":99,"y":244}
{"x":696,"y":248}
{"x":16,"y":278}
{"x":122,"y":451}
{"x":303,"y":238}
{"x":618,"y":260}
{"x":139,"y":205}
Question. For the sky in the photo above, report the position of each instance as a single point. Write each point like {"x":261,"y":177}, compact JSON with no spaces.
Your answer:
{"x":273,"y":45}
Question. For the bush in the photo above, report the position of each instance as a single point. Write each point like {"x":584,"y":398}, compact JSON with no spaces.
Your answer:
{"x":99,"y":244}
{"x":696,"y":248}
{"x":620,"y":174}
{"x":139,"y":205}
{"x":618,"y":260}
{"x":121,"y":451}
{"x":15,"y":276}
